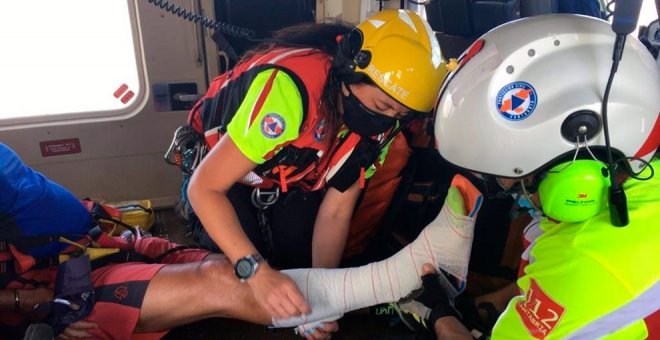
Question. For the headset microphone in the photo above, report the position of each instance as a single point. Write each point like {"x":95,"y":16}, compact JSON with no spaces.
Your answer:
{"x":626,"y":14}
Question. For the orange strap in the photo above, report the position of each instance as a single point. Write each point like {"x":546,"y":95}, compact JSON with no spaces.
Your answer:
{"x":212,"y":137}
{"x":23,"y":261}
{"x":362,"y":177}
{"x":285,"y":188}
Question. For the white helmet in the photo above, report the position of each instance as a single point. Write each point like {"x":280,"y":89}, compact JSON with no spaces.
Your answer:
{"x":520,"y":103}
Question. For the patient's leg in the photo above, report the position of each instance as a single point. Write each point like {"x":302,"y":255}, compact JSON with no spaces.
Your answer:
{"x":183,"y":293}
{"x":445,"y":242}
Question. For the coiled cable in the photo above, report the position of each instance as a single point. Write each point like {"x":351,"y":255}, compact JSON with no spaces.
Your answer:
{"x":223,"y":27}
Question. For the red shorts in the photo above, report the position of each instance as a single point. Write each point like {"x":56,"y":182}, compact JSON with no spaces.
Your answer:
{"x":120,"y":288}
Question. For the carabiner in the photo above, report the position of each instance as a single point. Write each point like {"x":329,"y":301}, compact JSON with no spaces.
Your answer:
{"x":263,"y":199}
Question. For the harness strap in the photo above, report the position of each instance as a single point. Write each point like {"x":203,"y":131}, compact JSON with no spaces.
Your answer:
{"x":266,"y":231}
{"x":160,"y":257}
{"x":121,"y":256}
{"x":362,"y":177}
{"x":282,"y":171}
{"x":6,"y":279}
{"x":24,"y":244}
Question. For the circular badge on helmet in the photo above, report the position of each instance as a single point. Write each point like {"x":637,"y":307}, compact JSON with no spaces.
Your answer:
{"x":516,"y":101}
{"x":272,"y":125}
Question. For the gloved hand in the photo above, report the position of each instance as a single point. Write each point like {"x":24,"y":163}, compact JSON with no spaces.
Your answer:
{"x":431,"y":301}
{"x":434,"y":296}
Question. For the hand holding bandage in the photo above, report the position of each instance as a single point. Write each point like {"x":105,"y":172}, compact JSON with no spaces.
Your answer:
{"x":431,"y":302}
{"x":445,"y":243}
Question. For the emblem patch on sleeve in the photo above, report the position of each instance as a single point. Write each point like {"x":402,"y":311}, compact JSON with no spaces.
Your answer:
{"x":539,"y":312}
{"x":272,"y":125}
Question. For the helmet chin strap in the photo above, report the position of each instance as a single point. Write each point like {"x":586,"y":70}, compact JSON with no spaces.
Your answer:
{"x":514,"y":192}
{"x":528,"y":196}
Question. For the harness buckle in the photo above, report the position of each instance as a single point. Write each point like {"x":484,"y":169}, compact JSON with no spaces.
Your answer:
{"x":264,"y":198}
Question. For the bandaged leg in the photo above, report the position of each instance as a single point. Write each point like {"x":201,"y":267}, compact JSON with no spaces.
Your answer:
{"x":446,"y":243}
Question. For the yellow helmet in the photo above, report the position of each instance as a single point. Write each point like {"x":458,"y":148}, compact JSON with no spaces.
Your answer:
{"x":399,"y":52}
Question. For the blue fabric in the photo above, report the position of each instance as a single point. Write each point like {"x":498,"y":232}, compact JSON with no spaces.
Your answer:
{"x":584,"y":7}
{"x":32,"y":205}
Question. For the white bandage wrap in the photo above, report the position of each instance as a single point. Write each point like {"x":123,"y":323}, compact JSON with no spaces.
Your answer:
{"x":446,"y":243}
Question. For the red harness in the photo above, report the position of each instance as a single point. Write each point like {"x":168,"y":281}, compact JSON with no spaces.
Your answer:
{"x":304,"y":161}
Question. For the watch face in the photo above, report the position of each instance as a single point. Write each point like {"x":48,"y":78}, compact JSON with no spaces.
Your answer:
{"x":243,"y":268}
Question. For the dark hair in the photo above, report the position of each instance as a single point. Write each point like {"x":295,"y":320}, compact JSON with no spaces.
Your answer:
{"x":322,"y":37}
{"x":306,"y":35}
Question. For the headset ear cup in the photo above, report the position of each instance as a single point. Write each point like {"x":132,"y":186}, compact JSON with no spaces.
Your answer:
{"x":574,"y":191}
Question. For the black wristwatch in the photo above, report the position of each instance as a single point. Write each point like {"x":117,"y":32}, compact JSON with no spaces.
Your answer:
{"x":246,"y":266}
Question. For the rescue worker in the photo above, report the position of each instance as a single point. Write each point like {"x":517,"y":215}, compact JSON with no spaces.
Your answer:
{"x":305,"y":120}
{"x":527,"y":103}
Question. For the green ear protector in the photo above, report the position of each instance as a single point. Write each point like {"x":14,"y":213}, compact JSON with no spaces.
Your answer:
{"x":574,"y":191}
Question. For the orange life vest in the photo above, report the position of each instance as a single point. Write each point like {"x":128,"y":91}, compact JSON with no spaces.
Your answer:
{"x":305,"y":161}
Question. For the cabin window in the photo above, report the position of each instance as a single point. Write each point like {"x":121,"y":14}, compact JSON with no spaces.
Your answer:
{"x":74,"y":59}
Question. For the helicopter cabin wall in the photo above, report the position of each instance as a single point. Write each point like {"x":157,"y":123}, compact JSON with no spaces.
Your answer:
{"x":119,"y":157}
{"x":351,"y":11}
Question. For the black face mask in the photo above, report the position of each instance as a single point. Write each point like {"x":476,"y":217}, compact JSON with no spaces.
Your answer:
{"x":363,"y":121}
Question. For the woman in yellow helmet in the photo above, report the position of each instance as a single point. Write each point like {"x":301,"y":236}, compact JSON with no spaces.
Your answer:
{"x":293,"y":131}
